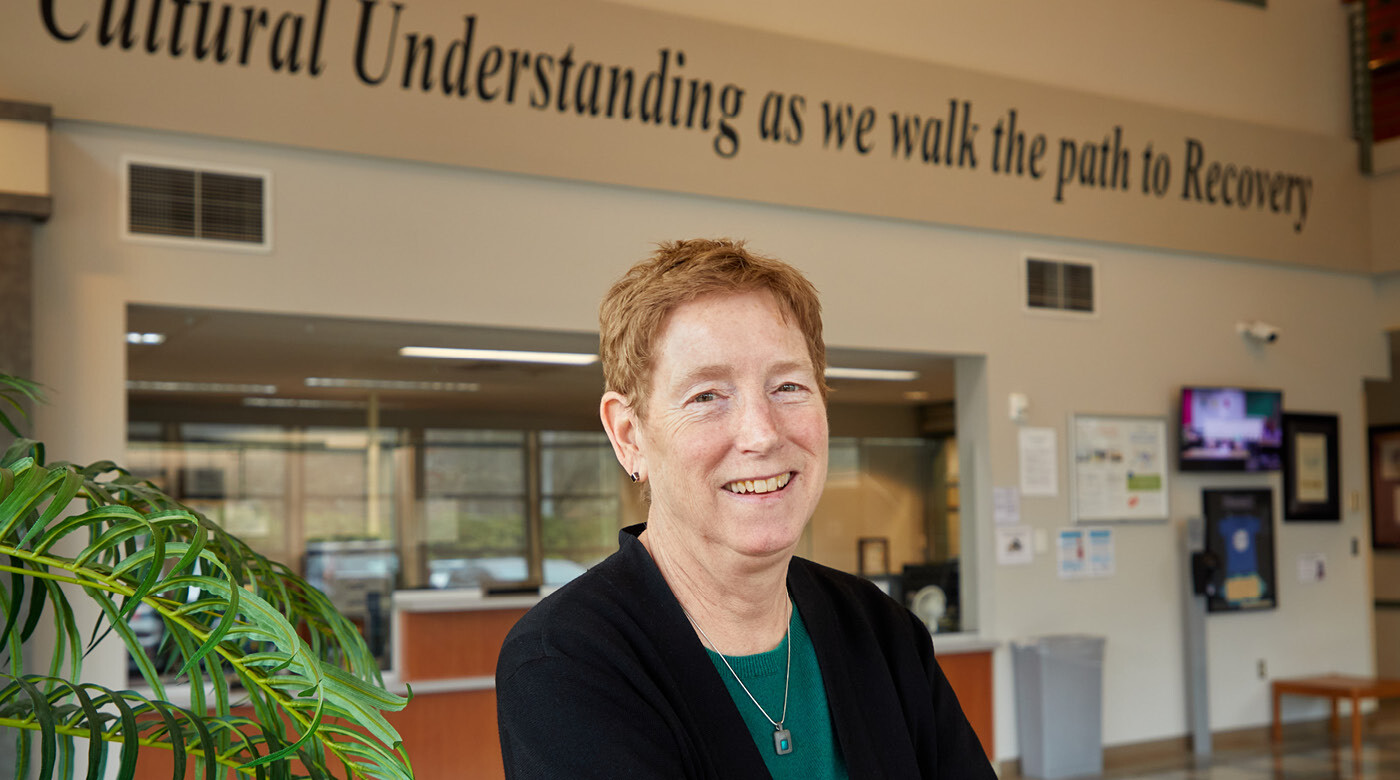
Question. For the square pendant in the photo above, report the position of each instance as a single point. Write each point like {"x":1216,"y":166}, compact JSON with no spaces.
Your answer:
{"x":782,"y":741}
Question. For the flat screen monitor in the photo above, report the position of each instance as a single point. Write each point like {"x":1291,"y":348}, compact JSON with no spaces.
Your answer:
{"x":1231,"y":429}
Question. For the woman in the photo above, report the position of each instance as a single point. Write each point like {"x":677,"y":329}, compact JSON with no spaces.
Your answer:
{"x":703,"y":648}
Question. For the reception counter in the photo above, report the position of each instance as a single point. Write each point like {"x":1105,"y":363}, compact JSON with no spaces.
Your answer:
{"x":445,"y":645}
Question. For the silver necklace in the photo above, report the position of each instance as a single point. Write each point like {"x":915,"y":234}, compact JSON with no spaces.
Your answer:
{"x":782,"y":738}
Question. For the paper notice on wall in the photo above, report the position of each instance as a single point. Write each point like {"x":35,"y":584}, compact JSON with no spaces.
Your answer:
{"x":1101,"y":557}
{"x":1312,"y":567}
{"x":1040,"y":474}
{"x":1085,"y":552}
{"x":1119,"y":468}
{"x":1071,"y":553}
{"x":1014,"y":545}
{"x":1006,"y":506}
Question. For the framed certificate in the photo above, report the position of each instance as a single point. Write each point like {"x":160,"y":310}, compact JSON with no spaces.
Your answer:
{"x":1310,"y":482}
{"x":1385,"y":486}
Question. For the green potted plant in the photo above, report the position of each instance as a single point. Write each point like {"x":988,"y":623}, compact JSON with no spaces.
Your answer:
{"x":306,"y":700}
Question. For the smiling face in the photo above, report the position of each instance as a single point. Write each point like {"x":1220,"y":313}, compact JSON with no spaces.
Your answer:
{"x":734,"y":443}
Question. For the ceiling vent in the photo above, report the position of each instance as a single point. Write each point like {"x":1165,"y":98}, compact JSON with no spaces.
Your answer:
{"x":1059,"y":285}
{"x":196,"y":203}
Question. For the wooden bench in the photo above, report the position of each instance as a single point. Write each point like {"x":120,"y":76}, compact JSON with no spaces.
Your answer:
{"x":1335,"y":687}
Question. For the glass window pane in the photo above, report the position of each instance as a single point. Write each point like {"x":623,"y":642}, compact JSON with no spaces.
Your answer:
{"x":580,"y":506}
{"x":471,"y":541}
{"x":474,"y":462}
{"x":474,"y":507}
{"x":340,"y":474}
{"x":264,"y":472}
{"x":579,"y":529}
{"x":343,"y":517}
{"x":582,"y":464}
{"x":143,"y":431}
{"x":842,"y":462}
{"x":488,"y":526}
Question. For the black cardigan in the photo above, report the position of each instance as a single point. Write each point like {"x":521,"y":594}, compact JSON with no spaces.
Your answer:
{"x":606,"y":679}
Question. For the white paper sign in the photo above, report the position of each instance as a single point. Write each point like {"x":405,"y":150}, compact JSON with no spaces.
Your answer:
{"x":1040,"y":474}
{"x":1014,"y":545}
{"x":1006,"y":506}
{"x":1085,"y":552}
{"x":1071,"y":553}
{"x":1101,"y":556}
{"x":1312,"y":567}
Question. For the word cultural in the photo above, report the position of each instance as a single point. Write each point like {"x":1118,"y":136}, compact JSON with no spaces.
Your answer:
{"x":202,"y":30}
{"x":456,"y":66}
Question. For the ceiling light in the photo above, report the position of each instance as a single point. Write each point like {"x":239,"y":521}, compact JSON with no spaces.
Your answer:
{"x":143,"y":385}
{"x":391,"y":384}
{"x":302,"y":403}
{"x":877,"y":374}
{"x":145,"y":338}
{"x":505,"y":355}
{"x":916,"y":395}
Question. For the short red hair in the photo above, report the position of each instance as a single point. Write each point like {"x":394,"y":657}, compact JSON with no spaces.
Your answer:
{"x":635,"y":309}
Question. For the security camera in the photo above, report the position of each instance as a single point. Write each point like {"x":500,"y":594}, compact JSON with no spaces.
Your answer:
{"x":1259,"y":331}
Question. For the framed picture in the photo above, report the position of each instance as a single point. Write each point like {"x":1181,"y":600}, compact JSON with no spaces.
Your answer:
{"x":1310,"y":483}
{"x":1240,"y":540}
{"x":1385,"y":486}
{"x":873,"y":556}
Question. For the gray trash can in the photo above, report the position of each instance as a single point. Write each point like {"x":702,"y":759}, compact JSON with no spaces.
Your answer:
{"x":1059,"y":705}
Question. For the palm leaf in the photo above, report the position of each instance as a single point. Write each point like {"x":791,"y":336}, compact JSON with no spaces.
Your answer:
{"x":14,"y":390}
{"x":224,"y":608}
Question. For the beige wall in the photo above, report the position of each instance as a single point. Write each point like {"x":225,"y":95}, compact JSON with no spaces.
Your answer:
{"x":1385,"y":229}
{"x":1282,"y":67}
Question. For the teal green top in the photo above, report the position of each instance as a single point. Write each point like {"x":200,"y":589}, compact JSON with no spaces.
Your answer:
{"x":814,"y":749}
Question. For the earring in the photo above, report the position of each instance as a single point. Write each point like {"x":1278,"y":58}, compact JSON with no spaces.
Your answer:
{"x":636,"y":476}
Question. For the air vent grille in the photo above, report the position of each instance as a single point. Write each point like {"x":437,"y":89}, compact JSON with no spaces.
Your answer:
{"x":162,"y":201}
{"x":1059,"y":285}
{"x":190,"y":203}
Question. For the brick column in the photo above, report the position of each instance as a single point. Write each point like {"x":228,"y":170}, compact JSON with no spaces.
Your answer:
{"x":24,"y":203}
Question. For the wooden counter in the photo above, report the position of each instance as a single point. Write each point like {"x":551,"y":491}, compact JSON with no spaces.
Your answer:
{"x":447,"y":643}
{"x":967,"y":663}
{"x":445,"y":646}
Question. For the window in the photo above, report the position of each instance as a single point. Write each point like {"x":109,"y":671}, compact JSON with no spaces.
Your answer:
{"x":580,"y":502}
{"x":474,"y":508}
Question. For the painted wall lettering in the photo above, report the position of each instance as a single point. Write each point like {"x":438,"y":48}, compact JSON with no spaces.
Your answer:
{"x":425,"y":51}
{"x":287,"y":42}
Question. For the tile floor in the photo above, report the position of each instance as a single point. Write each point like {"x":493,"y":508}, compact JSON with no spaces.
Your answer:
{"x":1307,"y":753}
